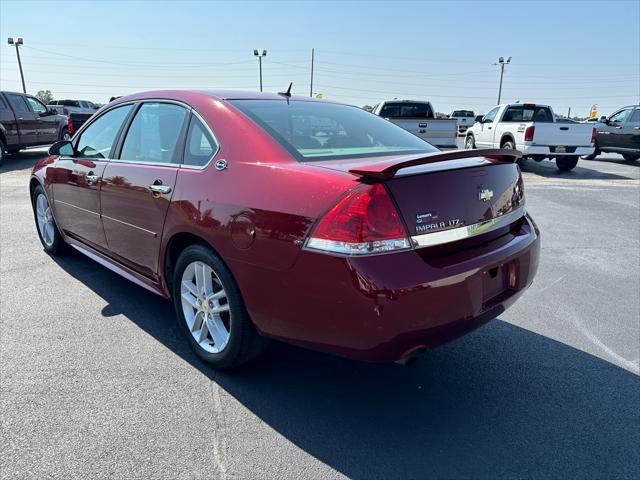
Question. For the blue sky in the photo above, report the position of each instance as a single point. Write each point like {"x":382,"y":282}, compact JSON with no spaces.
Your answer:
{"x":567,"y":54}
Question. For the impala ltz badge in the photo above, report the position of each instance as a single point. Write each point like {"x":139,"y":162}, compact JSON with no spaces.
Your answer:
{"x":485,"y":194}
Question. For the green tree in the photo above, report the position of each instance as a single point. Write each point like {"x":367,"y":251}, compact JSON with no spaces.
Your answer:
{"x":45,"y":96}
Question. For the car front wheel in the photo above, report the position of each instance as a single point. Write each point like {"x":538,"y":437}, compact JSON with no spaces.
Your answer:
{"x":48,"y":232}
{"x":630,"y":157}
{"x":211,"y":311}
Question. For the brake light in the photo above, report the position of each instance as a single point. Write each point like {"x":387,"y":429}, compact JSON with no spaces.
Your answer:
{"x":528,"y":133}
{"x":69,"y":126}
{"x":363,"y":222}
{"x":593,"y":135}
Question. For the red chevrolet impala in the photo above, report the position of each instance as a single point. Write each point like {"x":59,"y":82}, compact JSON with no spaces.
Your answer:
{"x":269,"y":216}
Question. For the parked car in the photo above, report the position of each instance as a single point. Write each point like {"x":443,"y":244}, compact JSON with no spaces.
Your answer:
{"x":465,"y":119}
{"x":534,"y":131}
{"x":619,"y":133}
{"x":78,"y":110}
{"x":418,"y":117}
{"x":26,"y":122}
{"x":270,"y":216}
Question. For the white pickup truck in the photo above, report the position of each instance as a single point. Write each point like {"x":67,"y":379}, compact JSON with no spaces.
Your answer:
{"x":533,"y":130}
{"x":417,"y":117}
{"x":465,"y":119}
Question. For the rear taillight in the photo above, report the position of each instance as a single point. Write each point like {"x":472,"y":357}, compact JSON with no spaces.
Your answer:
{"x":363,"y":222}
{"x":69,"y":126}
{"x":528,"y":133}
{"x":593,"y":135}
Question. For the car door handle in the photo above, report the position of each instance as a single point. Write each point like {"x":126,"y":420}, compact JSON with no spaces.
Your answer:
{"x":160,"y":189}
{"x":489,"y":128}
{"x":92,"y":178}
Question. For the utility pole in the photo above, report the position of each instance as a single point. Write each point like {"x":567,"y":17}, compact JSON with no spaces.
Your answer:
{"x":17,"y":43}
{"x":569,"y":113}
{"x":311,"y":84}
{"x":502,"y":63}
{"x":260,"y":55}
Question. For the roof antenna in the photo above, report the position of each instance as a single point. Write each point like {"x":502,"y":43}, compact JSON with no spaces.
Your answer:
{"x":287,"y":94}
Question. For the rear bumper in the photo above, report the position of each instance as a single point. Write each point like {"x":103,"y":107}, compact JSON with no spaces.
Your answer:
{"x":550,"y":151}
{"x":382,"y":308}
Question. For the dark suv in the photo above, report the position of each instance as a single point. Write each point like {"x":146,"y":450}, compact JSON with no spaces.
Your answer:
{"x":26,"y":122}
{"x":619,"y":133}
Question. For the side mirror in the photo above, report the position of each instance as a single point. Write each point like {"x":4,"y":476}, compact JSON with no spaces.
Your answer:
{"x":63,"y":147}
{"x":479,"y":118}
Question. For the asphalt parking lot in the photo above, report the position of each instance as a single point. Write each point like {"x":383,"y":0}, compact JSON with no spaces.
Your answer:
{"x":98,"y":382}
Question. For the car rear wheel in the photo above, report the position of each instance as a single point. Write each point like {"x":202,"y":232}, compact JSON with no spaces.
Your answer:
{"x":469,"y":142}
{"x":508,"y":145}
{"x":630,"y":157}
{"x":65,"y":135}
{"x":211,"y":311}
{"x":566,"y":163}
{"x":48,"y":232}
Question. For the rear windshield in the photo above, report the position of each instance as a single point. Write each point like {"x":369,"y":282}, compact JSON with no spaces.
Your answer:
{"x":326,"y":131}
{"x":462,"y":113}
{"x":406,"y":110}
{"x":69,"y":103}
{"x":528,"y":113}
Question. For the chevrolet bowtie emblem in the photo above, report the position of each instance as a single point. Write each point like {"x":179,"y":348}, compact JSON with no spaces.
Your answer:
{"x":485,"y":195}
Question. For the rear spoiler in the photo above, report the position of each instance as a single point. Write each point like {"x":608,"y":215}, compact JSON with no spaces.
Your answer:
{"x":387,"y":170}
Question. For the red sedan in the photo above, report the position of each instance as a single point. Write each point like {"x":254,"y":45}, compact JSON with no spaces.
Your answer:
{"x":266,"y":216}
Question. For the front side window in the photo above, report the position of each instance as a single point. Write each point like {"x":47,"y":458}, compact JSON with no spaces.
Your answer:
{"x":621,"y":116}
{"x":489,"y":117}
{"x":327,"y":131}
{"x":96,"y":141}
{"x":18,"y":103}
{"x":200,"y":146}
{"x":635,"y":117}
{"x":153,"y":134}
{"x":36,"y":105}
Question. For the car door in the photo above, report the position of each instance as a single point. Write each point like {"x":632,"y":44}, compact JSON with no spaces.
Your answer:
{"x":630,"y":138}
{"x":138,"y":185}
{"x":47,"y":122}
{"x":76,"y":179}
{"x":610,"y":133}
{"x":484,"y":137}
{"x":26,"y":119}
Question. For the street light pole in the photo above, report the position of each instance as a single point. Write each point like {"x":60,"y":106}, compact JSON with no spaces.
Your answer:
{"x":311,"y":84}
{"x":260,"y":55}
{"x":16,"y":43}
{"x":502,"y":63}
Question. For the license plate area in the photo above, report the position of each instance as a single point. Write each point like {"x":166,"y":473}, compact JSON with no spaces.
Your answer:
{"x":561,"y":149}
{"x":493,"y":283}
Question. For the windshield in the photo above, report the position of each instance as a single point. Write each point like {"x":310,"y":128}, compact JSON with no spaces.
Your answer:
{"x":326,"y":131}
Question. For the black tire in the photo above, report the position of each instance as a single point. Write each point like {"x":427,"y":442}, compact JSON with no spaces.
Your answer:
{"x":244,"y":342}
{"x":65,"y":133}
{"x":469,"y":142}
{"x":595,"y":153}
{"x":3,"y":152}
{"x":508,"y":145}
{"x":55,"y":245}
{"x":567,"y":164}
{"x":630,"y":157}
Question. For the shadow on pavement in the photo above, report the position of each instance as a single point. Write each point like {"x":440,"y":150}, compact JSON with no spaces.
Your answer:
{"x":500,"y":402}
{"x":583,"y":171}
{"x":24,"y":160}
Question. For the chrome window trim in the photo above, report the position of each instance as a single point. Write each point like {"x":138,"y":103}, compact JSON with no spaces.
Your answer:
{"x":215,"y":139}
{"x":460,"y":233}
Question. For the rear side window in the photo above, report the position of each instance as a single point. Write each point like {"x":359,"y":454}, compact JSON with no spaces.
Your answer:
{"x":200,"y":146}
{"x":406,"y":110}
{"x":153,"y":134}
{"x":528,"y":113}
{"x":96,"y":141}
{"x":18,"y":103}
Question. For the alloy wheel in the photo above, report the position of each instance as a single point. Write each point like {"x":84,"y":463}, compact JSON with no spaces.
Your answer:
{"x":206,"y":307}
{"x":44,"y":216}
